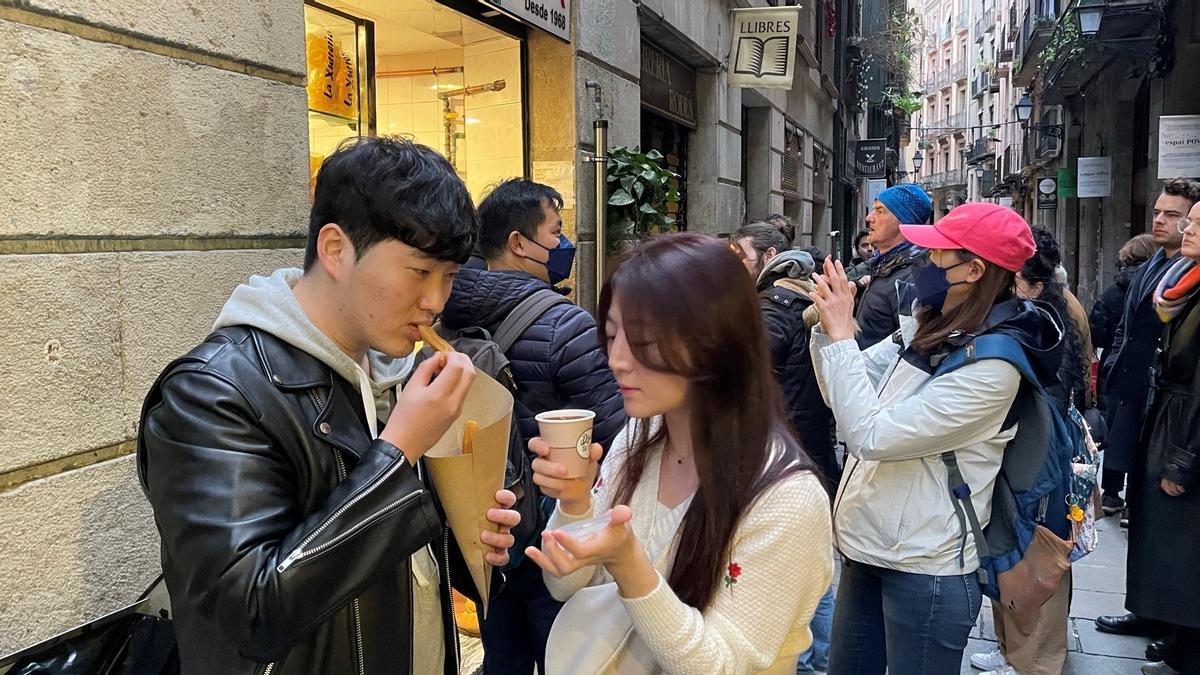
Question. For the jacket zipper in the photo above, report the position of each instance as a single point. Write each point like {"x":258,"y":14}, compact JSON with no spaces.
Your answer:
{"x":299,"y":553}
{"x":269,"y":669}
{"x":450,"y":601}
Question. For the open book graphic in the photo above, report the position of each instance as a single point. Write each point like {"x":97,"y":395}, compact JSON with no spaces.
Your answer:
{"x":761,"y":58}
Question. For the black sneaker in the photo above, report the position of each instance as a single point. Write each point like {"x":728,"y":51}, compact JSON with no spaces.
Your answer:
{"x":1125,"y":517}
{"x":1111,"y":504}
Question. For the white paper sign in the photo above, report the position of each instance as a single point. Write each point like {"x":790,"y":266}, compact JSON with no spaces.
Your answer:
{"x":1094,"y":177}
{"x":764,"y":47}
{"x":558,"y":175}
{"x":552,"y":16}
{"x":1179,"y":146}
{"x":874,"y":187}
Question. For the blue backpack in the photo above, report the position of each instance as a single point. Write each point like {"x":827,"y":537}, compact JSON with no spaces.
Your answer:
{"x":1034,"y":484}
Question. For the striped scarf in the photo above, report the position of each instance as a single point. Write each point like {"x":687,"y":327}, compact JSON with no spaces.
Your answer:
{"x":1177,"y":287}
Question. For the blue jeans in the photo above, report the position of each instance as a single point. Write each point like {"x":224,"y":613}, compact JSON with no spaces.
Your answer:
{"x":518,"y":623}
{"x":906,"y":624}
{"x":817,"y":656}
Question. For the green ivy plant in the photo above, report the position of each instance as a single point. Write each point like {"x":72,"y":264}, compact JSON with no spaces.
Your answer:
{"x":641,"y":190}
{"x":908,"y":102}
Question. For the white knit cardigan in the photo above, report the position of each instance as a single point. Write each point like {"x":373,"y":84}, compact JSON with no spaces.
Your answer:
{"x":758,"y":622}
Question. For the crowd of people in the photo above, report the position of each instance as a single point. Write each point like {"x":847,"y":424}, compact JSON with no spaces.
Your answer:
{"x":762,"y":414}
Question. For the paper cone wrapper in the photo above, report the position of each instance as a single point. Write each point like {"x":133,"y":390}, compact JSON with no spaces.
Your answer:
{"x":467,"y":484}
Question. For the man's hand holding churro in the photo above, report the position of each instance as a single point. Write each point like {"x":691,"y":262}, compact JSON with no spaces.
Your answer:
{"x":429,"y":403}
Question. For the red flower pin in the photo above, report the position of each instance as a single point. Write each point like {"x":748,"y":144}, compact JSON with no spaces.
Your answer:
{"x":732,"y":574}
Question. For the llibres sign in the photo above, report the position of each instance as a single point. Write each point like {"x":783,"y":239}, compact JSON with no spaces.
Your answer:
{"x":764,"y":52}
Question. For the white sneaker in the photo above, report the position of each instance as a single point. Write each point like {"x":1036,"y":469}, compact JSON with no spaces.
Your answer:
{"x":1159,"y":668}
{"x":989,"y":661}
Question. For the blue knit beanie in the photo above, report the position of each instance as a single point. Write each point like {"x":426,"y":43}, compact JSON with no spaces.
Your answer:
{"x":908,"y":203}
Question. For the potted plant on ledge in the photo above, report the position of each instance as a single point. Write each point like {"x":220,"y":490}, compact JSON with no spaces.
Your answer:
{"x":642,"y":192}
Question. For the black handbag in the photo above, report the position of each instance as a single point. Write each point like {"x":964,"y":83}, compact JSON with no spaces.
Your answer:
{"x":138,"y":639}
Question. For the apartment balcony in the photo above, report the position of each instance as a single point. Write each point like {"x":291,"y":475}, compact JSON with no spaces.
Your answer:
{"x":985,"y":24}
{"x":955,"y":178}
{"x":982,"y":85}
{"x":943,"y":179}
{"x":957,"y":123}
{"x":961,"y":22}
{"x":930,"y":84}
{"x":945,"y":78}
{"x":958,"y":71}
{"x":1036,"y":29}
{"x":982,"y":149}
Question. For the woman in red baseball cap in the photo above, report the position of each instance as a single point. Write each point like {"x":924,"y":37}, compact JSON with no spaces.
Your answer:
{"x":909,"y":593}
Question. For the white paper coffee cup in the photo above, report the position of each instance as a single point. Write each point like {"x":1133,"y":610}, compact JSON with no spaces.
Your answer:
{"x":569,"y":435}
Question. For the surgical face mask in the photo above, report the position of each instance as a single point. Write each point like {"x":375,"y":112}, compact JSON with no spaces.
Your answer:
{"x":931,"y":283}
{"x":561,"y":259}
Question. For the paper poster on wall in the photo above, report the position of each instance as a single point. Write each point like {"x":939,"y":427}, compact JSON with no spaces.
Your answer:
{"x":764,"y":47}
{"x":1094,"y":177}
{"x":1179,"y":146}
{"x":558,"y":175}
{"x":874,"y":187}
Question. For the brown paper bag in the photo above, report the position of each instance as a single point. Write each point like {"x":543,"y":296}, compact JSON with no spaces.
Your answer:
{"x":467,"y":484}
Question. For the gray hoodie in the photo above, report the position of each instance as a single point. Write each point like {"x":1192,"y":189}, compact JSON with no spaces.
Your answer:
{"x":793,"y":264}
{"x":268,"y":304}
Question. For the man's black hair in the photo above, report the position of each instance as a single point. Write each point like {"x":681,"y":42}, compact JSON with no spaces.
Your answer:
{"x":862,"y":234}
{"x":515,"y":205}
{"x":387,"y":187}
{"x":1183,"y":187}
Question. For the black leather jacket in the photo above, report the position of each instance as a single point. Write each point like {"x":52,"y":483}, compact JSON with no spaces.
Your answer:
{"x":286,"y":530}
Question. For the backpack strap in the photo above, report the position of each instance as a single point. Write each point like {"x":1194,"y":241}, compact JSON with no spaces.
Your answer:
{"x":524,"y":315}
{"x":989,"y":346}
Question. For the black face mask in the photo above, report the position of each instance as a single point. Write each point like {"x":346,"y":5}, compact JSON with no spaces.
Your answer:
{"x":931,"y":283}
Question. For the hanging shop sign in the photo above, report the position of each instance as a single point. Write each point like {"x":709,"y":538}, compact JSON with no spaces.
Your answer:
{"x":668,"y":85}
{"x":1179,"y":146}
{"x":1066,"y":183}
{"x":552,"y":16}
{"x":764,"y":47}
{"x":1095,"y":177}
{"x":1047,"y":198}
{"x":870,"y":158}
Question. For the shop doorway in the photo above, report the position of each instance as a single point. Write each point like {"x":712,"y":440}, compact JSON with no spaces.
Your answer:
{"x":671,"y":139}
{"x":444,"y":74}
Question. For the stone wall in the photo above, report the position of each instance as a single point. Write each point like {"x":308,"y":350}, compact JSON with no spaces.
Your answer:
{"x":155,"y":156}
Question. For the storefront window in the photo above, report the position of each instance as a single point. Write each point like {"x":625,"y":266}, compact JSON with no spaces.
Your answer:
{"x":441,"y":78}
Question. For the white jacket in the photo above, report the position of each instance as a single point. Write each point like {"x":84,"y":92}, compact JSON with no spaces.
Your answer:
{"x":893,"y":508}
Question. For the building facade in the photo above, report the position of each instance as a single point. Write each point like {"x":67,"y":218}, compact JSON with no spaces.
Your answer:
{"x":167,"y":156}
{"x":1043,"y":92}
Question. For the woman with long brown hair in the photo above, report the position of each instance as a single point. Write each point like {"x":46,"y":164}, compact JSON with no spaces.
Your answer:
{"x":717,"y":547}
{"x":909,"y":594}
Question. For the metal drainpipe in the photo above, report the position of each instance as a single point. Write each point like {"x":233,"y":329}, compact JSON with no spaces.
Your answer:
{"x":600,"y":162}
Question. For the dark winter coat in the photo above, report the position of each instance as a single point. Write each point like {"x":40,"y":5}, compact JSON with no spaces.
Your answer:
{"x":286,"y":529}
{"x":1125,"y":374}
{"x":1164,"y":550}
{"x":1107,"y":311}
{"x":878,"y":313}
{"x":557,"y":362}
{"x":783,"y":306}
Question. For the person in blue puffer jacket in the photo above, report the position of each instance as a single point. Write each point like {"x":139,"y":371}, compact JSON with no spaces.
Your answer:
{"x":557,"y":362}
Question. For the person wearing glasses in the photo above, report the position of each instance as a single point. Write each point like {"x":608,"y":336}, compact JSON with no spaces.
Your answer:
{"x":1124,"y":374}
{"x":1165,"y":498}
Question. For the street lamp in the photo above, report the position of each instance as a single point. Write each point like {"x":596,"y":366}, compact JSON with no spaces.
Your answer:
{"x":1090,"y":12}
{"x":1023,"y":109}
{"x":917,"y":161}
